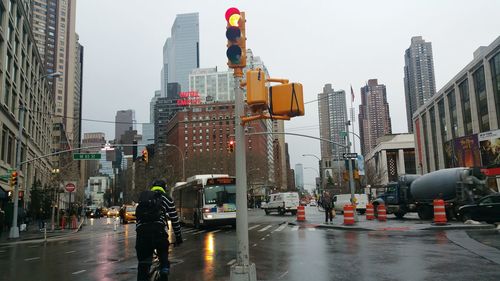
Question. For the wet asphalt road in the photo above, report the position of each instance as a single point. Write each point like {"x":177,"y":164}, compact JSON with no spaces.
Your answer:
{"x":280,"y":252}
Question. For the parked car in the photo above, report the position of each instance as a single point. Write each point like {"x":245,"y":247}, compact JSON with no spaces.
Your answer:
{"x":94,"y":212}
{"x":313,"y":203}
{"x":113,"y":211}
{"x":486,"y":209}
{"x":127,"y":214}
{"x":282,"y":203}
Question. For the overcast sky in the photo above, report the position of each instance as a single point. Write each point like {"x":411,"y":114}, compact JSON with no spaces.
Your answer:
{"x":311,"y":42}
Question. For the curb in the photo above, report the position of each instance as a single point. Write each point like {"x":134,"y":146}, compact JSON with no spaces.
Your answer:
{"x":430,"y":228}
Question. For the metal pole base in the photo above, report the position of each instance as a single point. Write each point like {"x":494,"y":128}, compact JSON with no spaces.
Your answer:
{"x":243,"y":273}
{"x":14,"y":232}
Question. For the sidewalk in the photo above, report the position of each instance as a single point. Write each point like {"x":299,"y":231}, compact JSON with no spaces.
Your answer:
{"x":33,"y":233}
{"x":315,"y":218}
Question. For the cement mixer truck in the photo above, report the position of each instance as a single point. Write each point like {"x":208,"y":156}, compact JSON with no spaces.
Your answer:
{"x":415,"y":193}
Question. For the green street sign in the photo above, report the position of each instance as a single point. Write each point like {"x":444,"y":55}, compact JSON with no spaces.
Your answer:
{"x":86,"y":156}
{"x":5,"y":177}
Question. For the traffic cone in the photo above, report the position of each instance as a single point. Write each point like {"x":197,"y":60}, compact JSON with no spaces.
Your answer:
{"x":439,"y":212}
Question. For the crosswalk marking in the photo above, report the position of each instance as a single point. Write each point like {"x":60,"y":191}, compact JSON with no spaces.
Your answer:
{"x":283,"y":226}
{"x":78,"y":272}
{"x":255,"y":226}
{"x":294,"y":228}
{"x":32,"y":259}
{"x":311,"y":229}
{"x":265,"y":228}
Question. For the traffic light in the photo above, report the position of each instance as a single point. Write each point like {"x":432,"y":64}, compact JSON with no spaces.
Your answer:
{"x":236,"y":40}
{"x":230,"y":146}
{"x":145,"y":157}
{"x":13,"y":178}
{"x":286,"y":100}
{"x":256,"y":88}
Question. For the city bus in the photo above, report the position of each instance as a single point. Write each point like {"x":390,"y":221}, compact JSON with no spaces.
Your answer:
{"x":206,"y":200}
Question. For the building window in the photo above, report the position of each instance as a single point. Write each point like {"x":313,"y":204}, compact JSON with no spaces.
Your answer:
{"x":432,"y":116}
{"x":466,"y":110}
{"x":495,"y":77}
{"x":426,"y":140}
{"x":452,"y":106}
{"x":481,"y":100}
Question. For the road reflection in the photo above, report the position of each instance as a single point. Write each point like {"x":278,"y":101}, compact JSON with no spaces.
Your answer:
{"x":209,"y":253}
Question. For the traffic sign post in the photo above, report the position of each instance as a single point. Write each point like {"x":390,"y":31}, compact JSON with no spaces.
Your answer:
{"x":86,"y":156}
{"x":70,"y":187}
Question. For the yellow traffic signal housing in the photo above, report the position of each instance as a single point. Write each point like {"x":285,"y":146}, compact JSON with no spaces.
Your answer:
{"x":13,"y":178}
{"x":236,"y":39}
{"x":145,"y":155}
{"x":286,"y":100}
{"x":256,"y":89}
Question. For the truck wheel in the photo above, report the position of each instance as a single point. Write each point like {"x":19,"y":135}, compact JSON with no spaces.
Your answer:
{"x":425,"y":212}
{"x":196,"y":222}
{"x":451,"y":214}
{"x":294,"y":213}
{"x":466,"y":217}
{"x":267,"y":211}
{"x":400,"y":214}
{"x":281,"y":211}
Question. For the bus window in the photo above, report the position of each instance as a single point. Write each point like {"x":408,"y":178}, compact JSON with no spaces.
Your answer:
{"x":227,"y":193}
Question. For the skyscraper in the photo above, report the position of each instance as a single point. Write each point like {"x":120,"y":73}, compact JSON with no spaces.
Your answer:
{"x":299,"y":176}
{"x":374,"y":119}
{"x":332,"y":119}
{"x":53,"y":26}
{"x":212,"y":85}
{"x":419,"y":80}
{"x":124,"y":121}
{"x":181,"y":52}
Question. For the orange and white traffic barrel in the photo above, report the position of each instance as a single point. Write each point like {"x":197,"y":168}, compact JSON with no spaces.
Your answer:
{"x":382,"y":212}
{"x":301,"y":213}
{"x":439,"y":212}
{"x":348,"y":214}
{"x":370,"y":215}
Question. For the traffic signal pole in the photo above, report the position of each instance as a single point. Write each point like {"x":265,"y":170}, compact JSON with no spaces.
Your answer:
{"x":242,"y":270}
{"x":14,"y":229}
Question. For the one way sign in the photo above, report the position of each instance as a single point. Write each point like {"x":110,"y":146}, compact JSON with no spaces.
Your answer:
{"x":350,"y":155}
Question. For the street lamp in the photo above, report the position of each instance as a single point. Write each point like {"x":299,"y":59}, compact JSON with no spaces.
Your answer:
{"x":14,"y":230}
{"x":183,"y":160}
{"x":320,"y":173}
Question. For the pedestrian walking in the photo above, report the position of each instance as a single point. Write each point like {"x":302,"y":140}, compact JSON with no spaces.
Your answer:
{"x":327,"y":202}
{"x":155,"y":207}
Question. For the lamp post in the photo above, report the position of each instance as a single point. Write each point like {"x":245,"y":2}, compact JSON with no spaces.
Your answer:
{"x":14,"y":230}
{"x":320,"y":173}
{"x":182,"y":157}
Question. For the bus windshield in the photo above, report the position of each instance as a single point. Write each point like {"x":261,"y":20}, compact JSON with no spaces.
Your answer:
{"x":227,"y":192}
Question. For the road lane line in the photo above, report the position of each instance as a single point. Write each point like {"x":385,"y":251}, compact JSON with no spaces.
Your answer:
{"x":231,"y":262}
{"x":263,"y":238}
{"x":189,"y":231}
{"x":295,"y":228}
{"x":78,"y":272}
{"x":34,"y":246}
{"x":254,"y":245}
{"x":32,"y":259}
{"x":215,"y":231}
{"x":2,"y":251}
{"x":265,"y":228}
{"x":255,"y":226}
{"x":198,"y":232}
{"x":70,"y":252}
{"x":283,"y":226}
{"x":311,"y":229}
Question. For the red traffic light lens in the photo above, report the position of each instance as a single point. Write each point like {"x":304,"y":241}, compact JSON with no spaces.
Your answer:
{"x":14,"y":174}
{"x":230,"y":12}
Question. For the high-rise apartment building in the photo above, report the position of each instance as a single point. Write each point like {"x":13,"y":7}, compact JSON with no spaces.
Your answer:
{"x":124,"y":121}
{"x":212,"y":85}
{"x":419,"y":80}
{"x":181,"y":52}
{"x":53,"y":26}
{"x":374,"y":119}
{"x":332,"y":111}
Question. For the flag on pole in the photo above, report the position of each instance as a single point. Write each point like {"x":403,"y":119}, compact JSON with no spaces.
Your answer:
{"x":352,"y":95}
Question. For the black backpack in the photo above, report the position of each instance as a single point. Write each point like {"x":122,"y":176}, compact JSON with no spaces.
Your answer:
{"x":150,"y":206}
